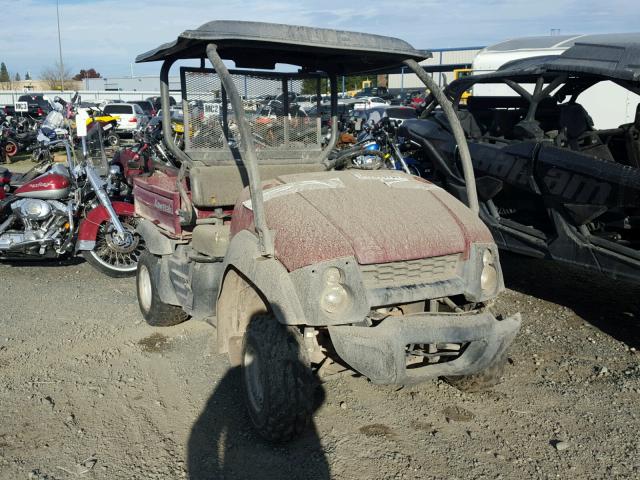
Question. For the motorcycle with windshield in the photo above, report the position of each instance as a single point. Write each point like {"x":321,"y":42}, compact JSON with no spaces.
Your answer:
{"x":67,"y":211}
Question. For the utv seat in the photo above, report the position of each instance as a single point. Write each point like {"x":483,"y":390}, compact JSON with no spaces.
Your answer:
{"x":577,"y":126}
{"x":220,"y":185}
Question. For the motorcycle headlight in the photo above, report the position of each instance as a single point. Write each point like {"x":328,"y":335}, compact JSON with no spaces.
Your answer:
{"x":489,"y":275}
{"x":335,"y":298}
{"x":114,"y":170}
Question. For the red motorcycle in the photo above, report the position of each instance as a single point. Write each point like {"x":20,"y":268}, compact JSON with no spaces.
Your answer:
{"x":67,"y":211}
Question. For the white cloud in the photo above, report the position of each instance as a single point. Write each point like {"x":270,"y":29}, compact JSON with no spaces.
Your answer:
{"x":108,"y":34}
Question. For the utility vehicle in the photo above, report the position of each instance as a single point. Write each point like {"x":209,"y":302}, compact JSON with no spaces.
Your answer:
{"x":296,"y":264}
{"x":551,"y":184}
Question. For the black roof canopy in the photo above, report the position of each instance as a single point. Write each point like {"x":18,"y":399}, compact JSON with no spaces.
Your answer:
{"x":262,"y":45}
{"x":615,"y":57}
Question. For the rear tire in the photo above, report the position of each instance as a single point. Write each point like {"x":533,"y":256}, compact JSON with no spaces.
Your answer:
{"x":481,"y":381}
{"x":11,"y":148}
{"x":155,"y":312}
{"x":112,"y":139}
{"x":278,"y":382}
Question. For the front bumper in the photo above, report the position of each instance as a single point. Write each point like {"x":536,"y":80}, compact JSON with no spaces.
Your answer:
{"x":379,"y":352}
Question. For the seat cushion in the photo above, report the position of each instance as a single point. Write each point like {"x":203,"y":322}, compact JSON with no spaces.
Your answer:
{"x":220,"y":185}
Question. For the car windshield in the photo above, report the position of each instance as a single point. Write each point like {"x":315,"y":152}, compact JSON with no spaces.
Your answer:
{"x":119,"y":109}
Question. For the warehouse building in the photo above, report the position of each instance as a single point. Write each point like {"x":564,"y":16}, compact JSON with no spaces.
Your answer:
{"x":441,"y":65}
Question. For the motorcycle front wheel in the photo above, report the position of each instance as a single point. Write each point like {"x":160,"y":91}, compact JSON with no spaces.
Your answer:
{"x":111,"y":258}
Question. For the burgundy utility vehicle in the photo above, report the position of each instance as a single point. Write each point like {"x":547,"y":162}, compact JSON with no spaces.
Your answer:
{"x":302,"y":268}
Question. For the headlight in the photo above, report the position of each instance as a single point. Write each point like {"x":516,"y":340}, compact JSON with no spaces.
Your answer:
{"x":489,"y":275}
{"x":114,"y":170}
{"x":334,"y":298}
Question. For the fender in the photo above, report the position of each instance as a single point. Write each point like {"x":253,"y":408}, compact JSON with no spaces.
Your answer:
{"x":88,"y":230}
{"x":245,"y":270}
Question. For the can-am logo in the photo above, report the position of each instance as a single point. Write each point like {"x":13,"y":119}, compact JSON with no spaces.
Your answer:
{"x":162,"y":206}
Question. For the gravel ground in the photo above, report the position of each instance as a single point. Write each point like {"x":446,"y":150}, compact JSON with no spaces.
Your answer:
{"x":87,"y":390}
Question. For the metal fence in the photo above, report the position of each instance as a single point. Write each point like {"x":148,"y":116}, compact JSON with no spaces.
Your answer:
{"x":9,"y":97}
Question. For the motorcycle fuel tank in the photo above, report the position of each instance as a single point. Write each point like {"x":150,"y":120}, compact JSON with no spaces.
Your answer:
{"x":50,"y":186}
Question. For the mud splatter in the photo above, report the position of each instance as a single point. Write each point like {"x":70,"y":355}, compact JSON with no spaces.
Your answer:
{"x":154,"y":343}
{"x":457,"y":414}
{"x":377,"y":430}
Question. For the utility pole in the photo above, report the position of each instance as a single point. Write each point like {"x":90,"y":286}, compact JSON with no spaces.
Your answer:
{"x":60,"y":47}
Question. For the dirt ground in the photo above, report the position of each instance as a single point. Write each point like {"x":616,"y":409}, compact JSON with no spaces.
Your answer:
{"x":87,"y":390}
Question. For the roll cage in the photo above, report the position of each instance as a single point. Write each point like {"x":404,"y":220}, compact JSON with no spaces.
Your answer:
{"x":319,"y":53}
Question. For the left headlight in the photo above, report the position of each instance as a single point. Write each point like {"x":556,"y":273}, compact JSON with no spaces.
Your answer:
{"x":335,"y":298}
{"x":489,"y":275}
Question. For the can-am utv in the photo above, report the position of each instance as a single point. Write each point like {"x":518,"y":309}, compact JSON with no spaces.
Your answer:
{"x":551,"y":183}
{"x":296,"y":264}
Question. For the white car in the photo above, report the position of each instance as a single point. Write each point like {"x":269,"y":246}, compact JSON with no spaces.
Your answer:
{"x":130,"y":116}
{"x":365,"y":103}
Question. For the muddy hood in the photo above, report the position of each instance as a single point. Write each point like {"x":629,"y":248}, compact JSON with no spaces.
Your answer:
{"x":374,"y":216}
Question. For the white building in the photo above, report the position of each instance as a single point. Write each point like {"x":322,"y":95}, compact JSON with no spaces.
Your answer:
{"x":441,"y":66}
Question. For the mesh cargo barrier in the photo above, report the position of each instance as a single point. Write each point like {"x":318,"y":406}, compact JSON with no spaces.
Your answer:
{"x":283,"y":127}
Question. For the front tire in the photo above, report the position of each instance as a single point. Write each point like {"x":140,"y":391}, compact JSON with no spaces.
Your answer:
{"x":277,"y":378}
{"x":112,"y":259}
{"x":155,"y":312}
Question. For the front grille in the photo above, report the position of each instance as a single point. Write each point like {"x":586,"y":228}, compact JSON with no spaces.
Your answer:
{"x":410,"y":272}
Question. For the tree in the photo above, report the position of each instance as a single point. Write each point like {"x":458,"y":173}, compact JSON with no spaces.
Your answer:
{"x":4,"y":73}
{"x":54,"y":76}
{"x":27,"y":76}
{"x":91,"y":73}
{"x":17,"y":77}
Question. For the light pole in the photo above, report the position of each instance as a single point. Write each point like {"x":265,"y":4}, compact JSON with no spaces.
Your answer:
{"x":60,"y":47}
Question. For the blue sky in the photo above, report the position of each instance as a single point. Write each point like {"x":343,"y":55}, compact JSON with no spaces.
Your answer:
{"x":108,"y":34}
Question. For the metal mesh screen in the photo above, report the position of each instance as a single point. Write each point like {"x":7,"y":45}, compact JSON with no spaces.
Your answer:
{"x":281,"y":110}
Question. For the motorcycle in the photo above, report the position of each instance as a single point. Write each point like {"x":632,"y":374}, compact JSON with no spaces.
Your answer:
{"x":66,"y":211}
{"x":147,"y":154}
{"x":376,"y":147}
{"x":15,"y":142}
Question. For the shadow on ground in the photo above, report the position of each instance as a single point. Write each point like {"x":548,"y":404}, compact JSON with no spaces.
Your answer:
{"x":223,"y":444}
{"x":612,"y":306}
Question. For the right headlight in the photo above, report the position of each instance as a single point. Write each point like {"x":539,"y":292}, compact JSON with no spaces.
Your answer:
{"x":489,"y":275}
{"x":334,"y":298}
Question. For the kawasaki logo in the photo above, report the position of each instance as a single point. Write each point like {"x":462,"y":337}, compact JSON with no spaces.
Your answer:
{"x":162,"y":206}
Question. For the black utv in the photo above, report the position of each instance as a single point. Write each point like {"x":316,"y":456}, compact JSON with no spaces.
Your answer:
{"x":551,"y":184}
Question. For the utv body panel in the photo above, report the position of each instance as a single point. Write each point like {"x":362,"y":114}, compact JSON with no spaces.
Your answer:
{"x":373,"y":216}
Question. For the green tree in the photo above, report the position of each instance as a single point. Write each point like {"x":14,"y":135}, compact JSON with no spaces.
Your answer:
{"x":27,"y":76}
{"x":4,"y":73}
{"x":17,"y":77}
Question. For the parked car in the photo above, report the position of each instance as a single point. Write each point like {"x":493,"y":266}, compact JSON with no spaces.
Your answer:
{"x":130,"y":116}
{"x":157,"y":104}
{"x":38,"y":106}
{"x":365,"y":103}
{"x":146,"y":106}
{"x":550,"y":184}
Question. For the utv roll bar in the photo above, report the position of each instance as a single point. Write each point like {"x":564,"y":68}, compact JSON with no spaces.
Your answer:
{"x":458,"y":132}
{"x":248,"y":154}
{"x":262,"y":45}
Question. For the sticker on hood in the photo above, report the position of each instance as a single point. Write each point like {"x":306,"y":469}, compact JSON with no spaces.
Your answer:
{"x":295,"y":187}
{"x":397,"y":181}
